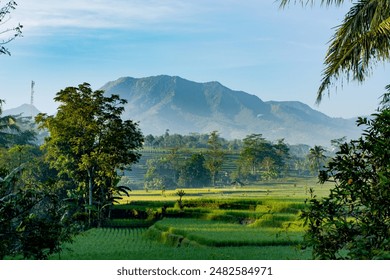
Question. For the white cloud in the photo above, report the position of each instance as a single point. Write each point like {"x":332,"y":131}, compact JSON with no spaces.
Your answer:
{"x":100,"y":13}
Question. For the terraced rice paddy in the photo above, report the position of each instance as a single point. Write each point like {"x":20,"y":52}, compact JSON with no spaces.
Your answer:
{"x":257,"y":222}
{"x":131,"y":244}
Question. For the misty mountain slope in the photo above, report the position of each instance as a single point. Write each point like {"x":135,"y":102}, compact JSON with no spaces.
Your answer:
{"x":182,"y":106}
{"x":24,"y":110}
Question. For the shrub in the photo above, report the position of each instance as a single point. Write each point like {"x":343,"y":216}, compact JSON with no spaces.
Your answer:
{"x":353,"y":222}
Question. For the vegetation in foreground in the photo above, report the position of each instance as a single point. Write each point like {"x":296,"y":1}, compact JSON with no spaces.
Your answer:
{"x":236,"y":223}
{"x":131,"y":244}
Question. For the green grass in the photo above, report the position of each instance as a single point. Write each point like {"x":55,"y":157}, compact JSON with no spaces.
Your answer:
{"x":293,"y":188}
{"x":219,"y":234}
{"x":260,"y":221}
{"x":131,"y":244}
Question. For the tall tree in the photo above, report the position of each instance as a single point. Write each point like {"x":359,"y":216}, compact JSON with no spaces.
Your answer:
{"x":280,"y":153}
{"x":214,"y":155}
{"x":255,"y":149}
{"x":194,"y":174}
{"x":33,"y":220}
{"x":5,"y":38}
{"x":163,"y":172}
{"x":7,"y":126}
{"x":316,"y":158}
{"x":360,"y":41}
{"x":89,"y":141}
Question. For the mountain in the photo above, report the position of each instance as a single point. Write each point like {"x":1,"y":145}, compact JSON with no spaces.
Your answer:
{"x":25,"y":110}
{"x":182,"y":106}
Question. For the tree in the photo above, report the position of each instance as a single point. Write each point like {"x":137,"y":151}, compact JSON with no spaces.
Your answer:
{"x":280,"y":153}
{"x":32,"y":213}
{"x":89,"y":142}
{"x":194,"y":173}
{"x":15,"y":31}
{"x":258,"y":153}
{"x":34,"y":219}
{"x":214,"y":155}
{"x":336,"y":143}
{"x":316,"y":158}
{"x":14,"y":130}
{"x":353,"y":222}
{"x":362,"y":40}
{"x":7,"y":127}
{"x":269,"y":165}
{"x":253,"y":152}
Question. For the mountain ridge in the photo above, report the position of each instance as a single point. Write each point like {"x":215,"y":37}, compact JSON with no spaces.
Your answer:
{"x":183,"y":106}
{"x":24,"y":110}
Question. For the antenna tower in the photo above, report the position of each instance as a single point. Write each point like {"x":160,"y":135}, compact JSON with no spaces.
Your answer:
{"x":32,"y":98}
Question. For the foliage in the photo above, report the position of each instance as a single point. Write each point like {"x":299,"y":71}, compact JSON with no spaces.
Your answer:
{"x":89,"y":142}
{"x":32,"y":213}
{"x":180,"y":193}
{"x":258,"y":153}
{"x":163,"y":173}
{"x":214,"y":156}
{"x":34,"y":219}
{"x":316,"y":158}
{"x":353,"y":222}
{"x":7,"y":125}
{"x":191,"y":141}
{"x":194,"y":173}
{"x":15,"y":130}
{"x":360,"y":41}
{"x":15,"y":31}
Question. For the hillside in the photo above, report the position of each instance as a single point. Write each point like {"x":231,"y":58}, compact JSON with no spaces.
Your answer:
{"x":182,"y":106}
{"x":24,"y":110}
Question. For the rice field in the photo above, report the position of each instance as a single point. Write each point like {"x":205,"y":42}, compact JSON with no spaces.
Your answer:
{"x":222,"y":234}
{"x":254,"y":222}
{"x":132,"y":244}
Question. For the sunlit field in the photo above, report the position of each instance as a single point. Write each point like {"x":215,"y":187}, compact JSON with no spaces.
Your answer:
{"x":260,"y":221}
{"x":294,"y":188}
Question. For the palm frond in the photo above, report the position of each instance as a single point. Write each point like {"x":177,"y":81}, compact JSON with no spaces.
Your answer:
{"x":284,"y":3}
{"x":362,"y":40}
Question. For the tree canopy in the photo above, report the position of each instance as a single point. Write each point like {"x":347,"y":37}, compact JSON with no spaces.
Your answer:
{"x":89,"y":142}
{"x":353,"y":222}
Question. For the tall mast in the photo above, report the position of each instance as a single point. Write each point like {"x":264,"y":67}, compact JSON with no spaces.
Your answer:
{"x":32,"y":98}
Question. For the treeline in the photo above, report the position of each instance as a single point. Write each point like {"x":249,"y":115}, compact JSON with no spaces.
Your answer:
{"x":199,"y":160}
{"x":191,"y":141}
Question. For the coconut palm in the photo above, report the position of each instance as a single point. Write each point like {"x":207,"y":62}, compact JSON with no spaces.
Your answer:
{"x":360,"y":41}
{"x":316,"y":158}
{"x":7,"y":126}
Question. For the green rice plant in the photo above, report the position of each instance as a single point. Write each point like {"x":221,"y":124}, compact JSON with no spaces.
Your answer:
{"x":216,"y":233}
{"x":128,"y":223}
{"x":131,"y":244}
{"x":274,"y":220}
{"x":281,"y":206}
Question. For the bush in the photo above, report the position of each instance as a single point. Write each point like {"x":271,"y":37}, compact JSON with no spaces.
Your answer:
{"x":353,"y":222}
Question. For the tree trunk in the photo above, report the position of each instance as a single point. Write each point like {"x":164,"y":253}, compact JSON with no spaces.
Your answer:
{"x":90,"y":197}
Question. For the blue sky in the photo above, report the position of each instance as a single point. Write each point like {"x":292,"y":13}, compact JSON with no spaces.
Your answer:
{"x":246,"y":45}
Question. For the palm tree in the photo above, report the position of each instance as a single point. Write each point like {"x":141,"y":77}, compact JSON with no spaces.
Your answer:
{"x":316,"y":158}
{"x":7,"y":126}
{"x":362,"y":40}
